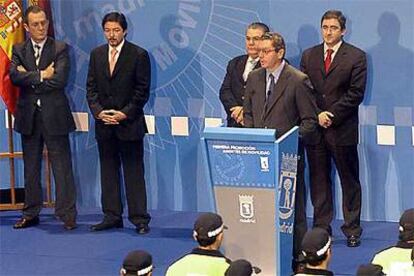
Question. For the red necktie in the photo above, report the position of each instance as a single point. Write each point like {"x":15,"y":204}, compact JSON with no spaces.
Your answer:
{"x":328,"y":59}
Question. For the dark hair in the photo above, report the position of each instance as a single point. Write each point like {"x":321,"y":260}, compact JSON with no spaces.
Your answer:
{"x":133,"y":273}
{"x":407,"y":234}
{"x":32,"y":9}
{"x":259,"y":25}
{"x":206,"y":241}
{"x":335,"y":14}
{"x":115,"y":17}
{"x":315,"y":260}
{"x":277,"y":41}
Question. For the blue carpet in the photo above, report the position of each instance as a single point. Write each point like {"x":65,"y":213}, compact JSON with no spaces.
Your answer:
{"x":49,"y":250}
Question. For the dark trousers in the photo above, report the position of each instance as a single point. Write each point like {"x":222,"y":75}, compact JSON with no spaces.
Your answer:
{"x":346,"y":162}
{"x":60,"y":157}
{"x":112,"y":153}
{"x":300,"y":205}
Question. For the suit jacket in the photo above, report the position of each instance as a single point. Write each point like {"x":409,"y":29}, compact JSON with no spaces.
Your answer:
{"x":290,"y":104}
{"x":127,"y":90}
{"x":56,"y":114}
{"x":340,"y":91}
{"x":233,"y":86}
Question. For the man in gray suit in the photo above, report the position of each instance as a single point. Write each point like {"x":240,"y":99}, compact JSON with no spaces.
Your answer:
{"x":279,"y":96}
{"x":40,"y":67}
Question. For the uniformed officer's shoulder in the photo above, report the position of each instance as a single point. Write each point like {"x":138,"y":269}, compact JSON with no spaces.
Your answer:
{"x":384,"y":250}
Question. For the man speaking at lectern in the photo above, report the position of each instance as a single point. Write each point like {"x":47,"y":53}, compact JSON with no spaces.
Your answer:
{"x":280,"y":97}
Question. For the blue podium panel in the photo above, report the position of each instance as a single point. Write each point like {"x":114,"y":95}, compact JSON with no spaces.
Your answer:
{"x":254,"y":178}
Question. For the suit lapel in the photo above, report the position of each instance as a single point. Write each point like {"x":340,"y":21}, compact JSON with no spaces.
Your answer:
{"x":105,"y":65}
{"x":338,"y":59}
{"x":260,"y":91}
{"x":279,"y":89}
{"x":122,"y":59}
{"x":240,"y":67}
{"x":257,"y":65}
{"x":321,"y":59}
{"x":47,"y":55}
{"x":29,"y":58}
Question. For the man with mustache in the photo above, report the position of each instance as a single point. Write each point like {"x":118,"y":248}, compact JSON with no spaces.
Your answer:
{"x":117,"y":87}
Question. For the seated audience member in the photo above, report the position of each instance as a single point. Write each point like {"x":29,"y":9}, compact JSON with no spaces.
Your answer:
{"x":241,"y":268}
{"x":206,"y":259}
{"x":137,"y":262}
{"x":370,"y":270}
{"x":316,"y":249}
{"x":397,"y":257}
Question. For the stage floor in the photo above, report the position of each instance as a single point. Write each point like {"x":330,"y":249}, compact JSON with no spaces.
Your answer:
{"x":50,"y":250}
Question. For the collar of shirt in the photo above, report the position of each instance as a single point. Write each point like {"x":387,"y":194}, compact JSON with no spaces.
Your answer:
{"x":335,"y":49}
{"x":253,"y":61}
{"x":41,"y":44}
{"x":118,"y":49}
{"x":276,"y":73}
{"x":315,"y":271}
{"x":214,"y":253}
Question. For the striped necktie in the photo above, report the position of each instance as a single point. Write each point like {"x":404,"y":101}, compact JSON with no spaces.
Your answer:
{"x":37,"y":54}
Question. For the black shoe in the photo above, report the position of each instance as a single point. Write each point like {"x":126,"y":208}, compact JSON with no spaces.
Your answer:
{"x":353,"y":241}
{"x":104,"y":225}
{"x":25,"y":223}
{"x":69,"y":225}
{"x":142,"y":228}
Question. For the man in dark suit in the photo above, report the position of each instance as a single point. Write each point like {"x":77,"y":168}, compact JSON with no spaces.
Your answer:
{"x":279,"y":96}
{"x":40,"y":67}
{"x":234,"y":83}
{"x":117,"y":89}
{"x":338,"y":72}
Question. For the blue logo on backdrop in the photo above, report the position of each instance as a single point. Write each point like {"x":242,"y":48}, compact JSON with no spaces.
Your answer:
{"x":178,"y":29}
{"x":172,"y":31}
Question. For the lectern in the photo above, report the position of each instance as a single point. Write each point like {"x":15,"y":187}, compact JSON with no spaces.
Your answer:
{"x":253,"y":175}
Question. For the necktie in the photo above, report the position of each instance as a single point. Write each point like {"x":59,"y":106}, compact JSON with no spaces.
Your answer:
{"x":271,"y":86}
{"x":37,"y":54}
{"x":249,"y":67}
{"x":112,"y":61}
{"x":269,"y":91}
{"x":328,"y":59}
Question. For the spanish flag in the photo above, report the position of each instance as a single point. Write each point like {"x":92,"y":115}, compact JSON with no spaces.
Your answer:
{"x":11,"y":32}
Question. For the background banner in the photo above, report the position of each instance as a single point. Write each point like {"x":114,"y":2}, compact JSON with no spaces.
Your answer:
{"x":190,"y":43}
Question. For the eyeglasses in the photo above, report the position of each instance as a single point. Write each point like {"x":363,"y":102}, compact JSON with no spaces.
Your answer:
{"x":266,"y":51}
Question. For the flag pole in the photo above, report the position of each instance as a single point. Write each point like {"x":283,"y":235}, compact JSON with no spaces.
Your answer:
{"x":11,"y":158}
